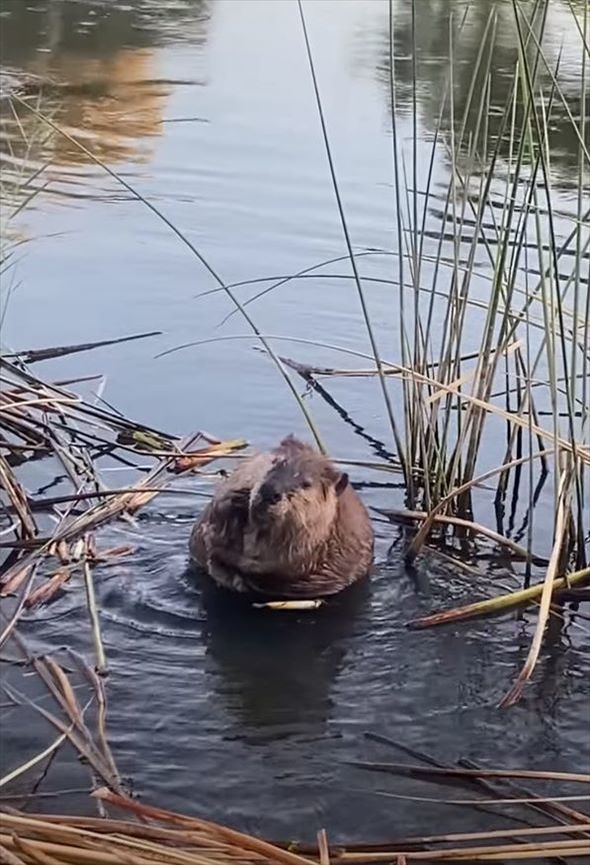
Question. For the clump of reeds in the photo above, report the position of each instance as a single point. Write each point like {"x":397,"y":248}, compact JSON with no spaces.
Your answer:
{"x":528,"y":365}
{"x":531,"y":357}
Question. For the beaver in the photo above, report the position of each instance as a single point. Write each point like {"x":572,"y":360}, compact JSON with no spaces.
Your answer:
{"x":285,"y":524}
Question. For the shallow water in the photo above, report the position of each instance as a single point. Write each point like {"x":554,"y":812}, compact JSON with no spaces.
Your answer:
{"x":206,"y":108}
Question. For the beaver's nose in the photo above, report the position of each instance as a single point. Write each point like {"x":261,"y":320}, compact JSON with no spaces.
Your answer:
{"x":269,"y":495}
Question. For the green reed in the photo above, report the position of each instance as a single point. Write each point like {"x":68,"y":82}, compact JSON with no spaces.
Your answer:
{"x":501,"y":188}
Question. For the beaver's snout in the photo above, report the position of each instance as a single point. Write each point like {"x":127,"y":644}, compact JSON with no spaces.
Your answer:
{"x":266,"y":496}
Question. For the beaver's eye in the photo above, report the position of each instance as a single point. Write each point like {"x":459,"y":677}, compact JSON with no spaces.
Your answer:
{"x":306,"y":484}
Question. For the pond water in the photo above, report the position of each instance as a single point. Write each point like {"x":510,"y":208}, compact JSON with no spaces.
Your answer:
{"x":207,"y":109}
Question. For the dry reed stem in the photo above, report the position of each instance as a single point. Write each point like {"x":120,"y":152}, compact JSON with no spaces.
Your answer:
{"x":47,"y":403}
{"x":501,"y":603}
{"x":323,"y":848}
{"x":580,"y":450}
{"x":48,"y":589}
{"x":515,"y":693}
{"x":101,"y":661}
{"x":18,"y":498}
{"x":34,"y":355}
{"x":12,"y":623}
{"x":19,"y":574}
{"x":476,"y":528}
{"x":275,"y":854}
{"x":420,"y":538}
{"x":452,"y":771}
{"x":24,"y":767}
{"x":379,"y":852}
{"x":7,"y":857}
{"x":305,"y":369}
{"x":501,"y":852}
{"x":97,"y":684}
{"x":47,"y":670}
{"x":37,"y":856}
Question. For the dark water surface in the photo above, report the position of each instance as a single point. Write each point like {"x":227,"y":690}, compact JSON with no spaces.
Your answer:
{"x":207,"y":109}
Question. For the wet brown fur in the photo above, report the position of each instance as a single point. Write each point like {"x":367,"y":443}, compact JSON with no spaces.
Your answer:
{"x":315,"y":538}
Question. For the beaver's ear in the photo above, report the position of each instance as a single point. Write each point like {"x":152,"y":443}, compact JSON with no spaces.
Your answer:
{"x":290,"y":442}
{"x":341,"y":483}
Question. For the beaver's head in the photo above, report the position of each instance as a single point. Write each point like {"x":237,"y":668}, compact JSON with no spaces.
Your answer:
{"x":299,"y":492}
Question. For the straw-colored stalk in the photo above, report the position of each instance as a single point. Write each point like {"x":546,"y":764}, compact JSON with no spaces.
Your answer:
{"x":86,"y":841}
{"x":561,"y":522}
{"x":502,"y":603}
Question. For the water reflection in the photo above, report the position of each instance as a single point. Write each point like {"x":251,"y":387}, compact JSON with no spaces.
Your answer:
{"x":274,"y":671}
{"x":488,"y":28}
{"x":95,"y":27}
{"x":92,"y":67}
